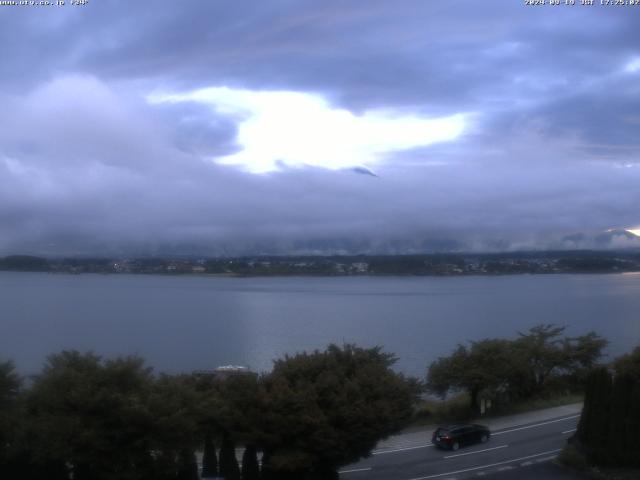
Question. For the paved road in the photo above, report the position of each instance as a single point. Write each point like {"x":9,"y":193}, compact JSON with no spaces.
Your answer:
{"x":516,"y":450}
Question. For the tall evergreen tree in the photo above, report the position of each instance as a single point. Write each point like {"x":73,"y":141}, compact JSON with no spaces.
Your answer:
{"x":229,"y":468}
{"x":209,"y":458}
{"x":619,"y":434}
{"x":250,"y":467}
{"x":9,"y":388}
{"x":633,"y":425}
{"x":593,"y":429}
{"x":187,"y":465}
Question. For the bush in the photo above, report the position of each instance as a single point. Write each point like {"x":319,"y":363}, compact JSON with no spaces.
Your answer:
{"x":570,"y":456}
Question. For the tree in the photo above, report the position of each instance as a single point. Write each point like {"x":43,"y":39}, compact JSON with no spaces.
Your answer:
{"x":543,"y":351}
{"x":593,"y":427}
{"x":209,"y":458}
{"x":250,"y":467}
{"x":629,"y":364}
{"x":229,"y":468}
{"x":609,"y":427}
{"x":488,"y":366}
{"x":505,"y":370}
{"x":9,"y":389}
{"x":9,"y":385}
{"x":187,"y":465}
{"x":93,"y":415}
{"x":329,"y":408}
{"x":177,"y":411}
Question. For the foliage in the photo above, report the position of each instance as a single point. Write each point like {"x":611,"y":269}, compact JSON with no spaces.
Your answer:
{"x":88,"y":418}
{"x":572,"y":457}
{"x":628,"y":364}
{"x":24,"y":263}
{"x":609,"y":427}
{"x":209,"y":458}
{"x":486,"y":366}
{"x":9,"y":388}
{"x":93,"y":415}
{"x":238,"y":407}
{"x":187,"y":465}
{"x":508,"y":370}
{"x":250,"y":467}
{"x":229,"y":468}
{"x":329,"y":408}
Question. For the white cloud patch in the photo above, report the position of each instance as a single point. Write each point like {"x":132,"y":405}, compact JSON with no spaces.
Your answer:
{"x":633,"y":66}
{"x":301,"y":129}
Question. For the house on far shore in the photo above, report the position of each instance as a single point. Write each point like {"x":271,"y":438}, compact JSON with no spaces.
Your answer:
{"x":224,"y":372}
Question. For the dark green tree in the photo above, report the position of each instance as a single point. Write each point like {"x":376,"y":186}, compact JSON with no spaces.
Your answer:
{"x":628,"y":364}
{"x":93,"y":415}
{"x":187,"y":465}
{"x":9,"y":390}
{"x":250,"y":467}
{"x":491,"y":367}
{"x":506,"y":370}
{"x":229,"y":468}
{"x":330,"y":408}
{"x":176,"y":408}
{"x":620,"y":435}
{"x":542,"y":350}
{"x":593,"y":427}
{"x":209,"y":458}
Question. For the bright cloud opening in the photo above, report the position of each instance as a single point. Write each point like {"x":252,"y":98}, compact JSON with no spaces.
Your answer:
{"x":633,"y":66}
{"x":295,"y":129}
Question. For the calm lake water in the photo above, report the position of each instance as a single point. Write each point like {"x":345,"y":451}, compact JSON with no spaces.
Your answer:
{"x":186,"y":323}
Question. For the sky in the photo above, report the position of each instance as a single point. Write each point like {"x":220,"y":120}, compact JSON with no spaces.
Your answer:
{"x":228,"y":128}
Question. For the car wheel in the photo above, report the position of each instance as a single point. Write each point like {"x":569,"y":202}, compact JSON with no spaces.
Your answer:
{"x":455,"y":446}
{"x":484,"y":438}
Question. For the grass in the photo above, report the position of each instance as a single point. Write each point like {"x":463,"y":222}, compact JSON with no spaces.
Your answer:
{"x":557,"y":400}
{"x":443,"y":411}
{"x":456,"y":408}
{"x":572,"y":458}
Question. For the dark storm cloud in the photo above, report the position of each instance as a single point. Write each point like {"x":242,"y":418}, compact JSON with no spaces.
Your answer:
{"x":86,"y":164}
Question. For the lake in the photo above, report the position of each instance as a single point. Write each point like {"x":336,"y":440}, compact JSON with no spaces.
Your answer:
{"x":183,"y":323}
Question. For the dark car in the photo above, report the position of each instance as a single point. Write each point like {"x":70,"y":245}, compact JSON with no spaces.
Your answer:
{"x":456,"y":436}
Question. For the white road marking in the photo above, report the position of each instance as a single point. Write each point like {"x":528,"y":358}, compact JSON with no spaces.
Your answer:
{"x":536,"y":425}
{"x":569,"y":431}
{"x":481,"y":474}
{"x":502,"y":469}
{"x":526,"y":464}
{"x":402,"y":449}
{"x":355,"y":470}
{"x":545,"y":459}
{"x":488,"y":466}
{"x":476,"y":451}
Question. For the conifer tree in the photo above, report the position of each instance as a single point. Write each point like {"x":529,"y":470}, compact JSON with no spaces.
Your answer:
{"x":250,"y":467}
{"x":209,"y":458}
{"x":229,"y":468}
{"x":187,"y":465}
{"x":593,"y":429}
{"x":619,"y":434}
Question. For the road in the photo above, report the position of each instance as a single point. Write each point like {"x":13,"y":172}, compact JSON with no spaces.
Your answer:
{"x":516,"y":450}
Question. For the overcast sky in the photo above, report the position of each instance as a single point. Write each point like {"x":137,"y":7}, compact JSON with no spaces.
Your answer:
{"x":228,"y":127}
